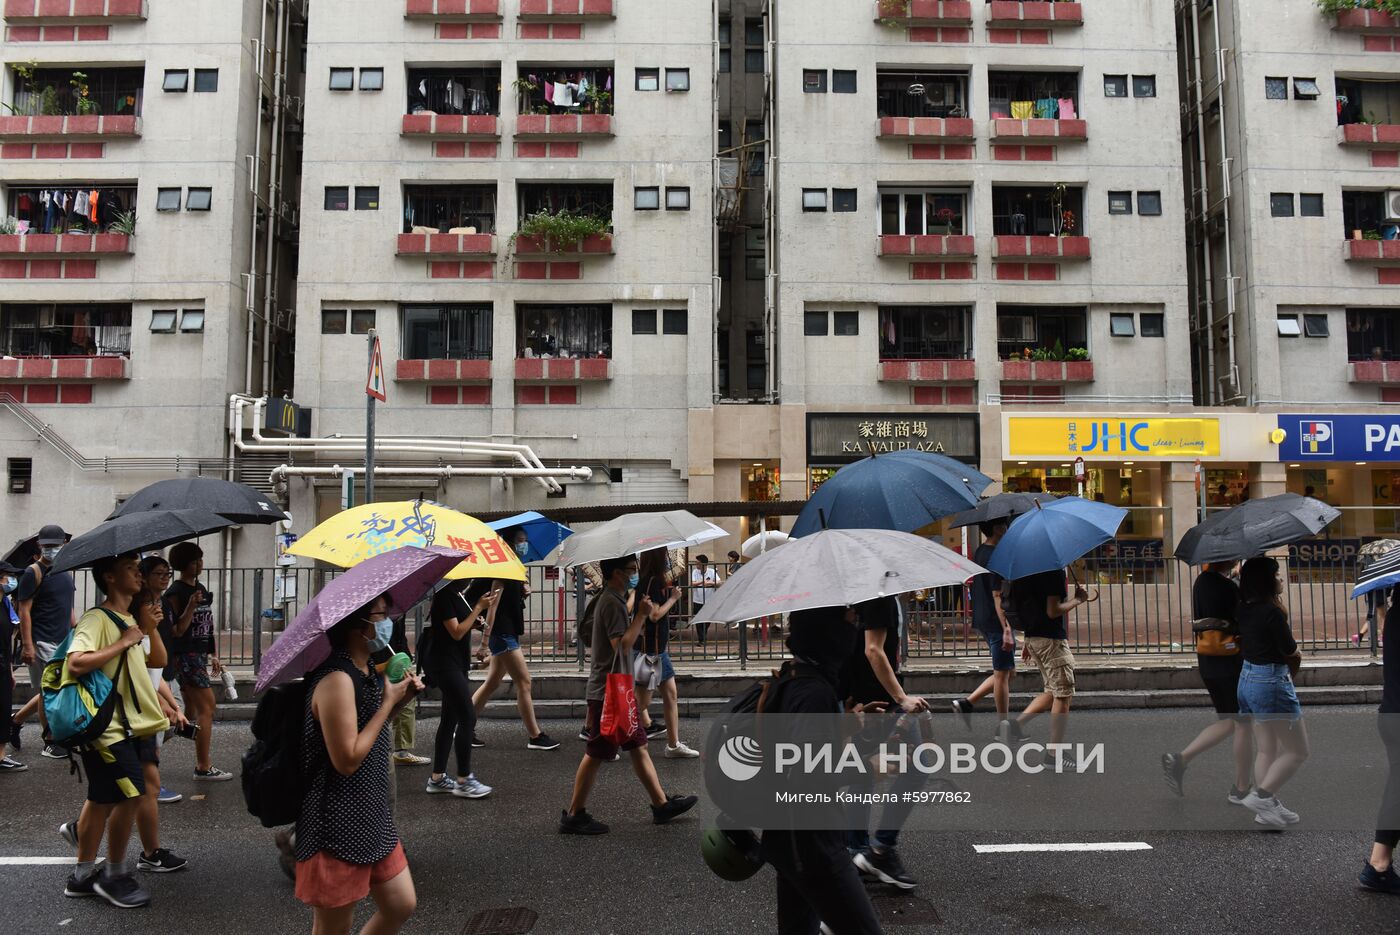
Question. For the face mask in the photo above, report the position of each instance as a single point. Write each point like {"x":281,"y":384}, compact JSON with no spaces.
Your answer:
{"x":522,"y":548}
{"x":50,"y":552}
{"x":383,"y":632}
{"x":634,"y":580}
{"x":8,"y":585}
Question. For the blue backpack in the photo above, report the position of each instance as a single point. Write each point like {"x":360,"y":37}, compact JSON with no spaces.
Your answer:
{"x":79,"y":708}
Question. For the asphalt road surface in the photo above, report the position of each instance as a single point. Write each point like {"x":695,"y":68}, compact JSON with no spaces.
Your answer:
{"x":503,"y":853}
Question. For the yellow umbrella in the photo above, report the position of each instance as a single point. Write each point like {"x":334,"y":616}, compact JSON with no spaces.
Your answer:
{"x":362,"y":532}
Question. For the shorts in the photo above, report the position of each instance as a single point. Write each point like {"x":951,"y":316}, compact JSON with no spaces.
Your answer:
{"x":1224,"y":694}
{"x":1266,"y":692}
{"x":43,"y":652}
{"x":114,"y":773}
{"x":500,"y":643}
{"x":328,"y":882}
{"x":192,"y":670}
{"x":602,"y":749}
{"x":1003,"y":660}
{"x":1056,"y":664}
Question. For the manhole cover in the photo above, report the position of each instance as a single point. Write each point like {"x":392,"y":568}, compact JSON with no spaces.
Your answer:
{"x":514,"y":921}
{"x":904,"y":910}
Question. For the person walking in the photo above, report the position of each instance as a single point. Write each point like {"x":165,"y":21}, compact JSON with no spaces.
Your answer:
{"x":1266,"y":690}
{"x":193,"y":648}
{"x":505,"y":625}
{"x":347,"y":846}
{"x":1215,"y":600}
{"x":1041,"y":604}
{"x":653,"y":644}
{"x":9,"y":626}
{"x":990,"y":621}
{"x":612,"y":639}
{"x":155,"y":571}
{"x":446,"y":662}
{"x":44,"y":603}
{"x":704,"y":578}
{"x":1379,"y":872}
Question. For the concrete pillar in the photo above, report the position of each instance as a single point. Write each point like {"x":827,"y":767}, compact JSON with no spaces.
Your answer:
{"x":1267,"y":479}
{"x":1180,"y":498}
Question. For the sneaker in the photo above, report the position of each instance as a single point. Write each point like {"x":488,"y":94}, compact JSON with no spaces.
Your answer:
{"x":160,"y":861}
{"x":681,"y":752}
{"x":1237,"y":796}
{"x":657,"y":729}
{"x":963,"y":709}
{"x":68,"y":831}
{"x":542,"y":742}
{"x":1380,"y":881}
{"x":1173,"y":769}
{"x":471,"y":788}
{"x":54,"y":752}
{"x":440,"y":785}
{"x":9,"y":764}
{"x":676,"y":805}
{"x":79,"y":889}
{"x":1009,"y":732}
{"x":582,"y":823}
{"x":583,"y":735}
{"x":886,"y":867}
{"x":1287,"y":814}
{"x":168,"y":796}
{"x":123,"y":892}
{"x":1266,"y":810}
{"x":212,"y":774}
{"x":15,"y":739}
{"x":477,"y":742}
{"x":409,"y":758}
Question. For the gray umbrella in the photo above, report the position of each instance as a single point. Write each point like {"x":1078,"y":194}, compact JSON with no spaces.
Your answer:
{"x":137,"y":532}
{"x":1001,"y":506}
{"x":1253,"y":528}
{"x":634,"y":533}
{"x":835,"y":568}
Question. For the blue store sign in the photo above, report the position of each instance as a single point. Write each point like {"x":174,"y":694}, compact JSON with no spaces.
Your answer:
{"x":1340,"y":438}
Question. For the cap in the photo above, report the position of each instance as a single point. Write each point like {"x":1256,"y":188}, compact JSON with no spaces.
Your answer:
{"x":53,"y":535}
{"x":7,"y":569}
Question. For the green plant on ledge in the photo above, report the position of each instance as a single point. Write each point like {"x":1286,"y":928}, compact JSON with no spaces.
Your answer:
{"x":1077,"y":353}
{"x":524,"y":88}
{"x":557,"y":231}
{"x":893,"y":13}
{"x":83,"y":103}
{"x":1055,"y":352}
{"x":125,"y":223}
{"x":1333,"y":7}
{"x":9,"y":225}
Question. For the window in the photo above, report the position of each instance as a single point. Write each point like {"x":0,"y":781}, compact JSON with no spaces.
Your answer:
{"x":206,"y":80}
{"x":1022,"y":327}
{"x":648,"y":79}
{"x":923,"y":212}
{"x":178,"y":81}
{"x":1144,"y":85}
{"x":459,"y":209}
{"x":725,"y":135}
{"x":674,"y":321}
{"x":753,"y":61}
{"x":1038,"y":211}
{"x":813,"y":81}
{"x":1121,"y":325}
{"x":460,"y":90}
{"x":1288,"y":326}
{"x":1315,"y":326}
{"x":1115,"y":85}
{"x":1310,"y":205}
{"x":337,"y":198}
{"x":1373,"y":334}
{"x":333,"y":320}
{"x":813,"y":199}
{"x":366,"y":197}
{"x":843,"y":82}
{"x":910,"y":93}
{"x":754,"y":267}
{"x":1120,"y":202}
{"x":1032,"y":94}
{"x":1306,"y":89}
{"x":168,"y":199}
{"x":342,"y":79}
{"x":362,"y":320}
{"x":199,"y":199}
{"x":726,"y":61}
{"x":845,"y":324}
{"x":163,"y":321}
{"x":1281,"y":204}
{"x":569,"y":331}
{"x":644,"y":321}
{"x":192,"y":321}
{"x":1276,"y":89}
{"x":21,"y":471}
{"x":646,"y":199}
{"x":925,"y":332}
{"x":371,"y":79}
{"x":814,"y":324}
{"x":843,"y":199}
{"x":678,"y":79}
{"x":678,"y":199}
{"x":445,"y":332}
{"x":726,"y":30}
{"x":753,"y":32}
{"x":592,"y":198}
{"x":1152,"y":325}
{"x":60,"y":330}
{"x":1150,"y":204}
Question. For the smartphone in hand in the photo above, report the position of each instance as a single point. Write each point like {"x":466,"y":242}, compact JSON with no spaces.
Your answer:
{"x":188,"y":731}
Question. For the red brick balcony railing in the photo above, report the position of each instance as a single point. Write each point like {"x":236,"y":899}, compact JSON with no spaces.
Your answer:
{"x":1371,"y":135}
{"x":58,"y":11}
{"x":566,"y":9}
{"x":1007,"y":128}
{"x":949,"y":129}
{"x":1374,"y":371}
{"x":1034,"y":13}
{"x":1047,"y":371}
{"x":1373,"y":251}
{"x":64,"y":245}
{"x":443,"y":371}
{"x":1368,"y":21}
{"x":452,"y":126}
{"x":564,"y":125}
{"x":446,"y":245}
{"x":1017,"y":247}
{"x":905,"y":245}
{"x":87,"y":126}
{"x":924,"y":12}
{"x":456,"y":11}
{"x":928,"y":371}
{"x":66,"y":368}
{"x":592,"y":245}
{"x":562,"y":369}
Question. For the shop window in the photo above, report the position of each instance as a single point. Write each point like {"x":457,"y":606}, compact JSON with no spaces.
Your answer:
{"x":644,"y":321}
{"x":674,"y":321}
{"x":371,"y":79}
{"x":362,"y":320}
{"x":21,"y":476}
{"x":445,"y":332}
{"x":843,"y":199}
{"x":1115,"y":85}
{"x":1315,"y":326}
{"x":1120,"y":202}
{"x":1121,"y":326}
{"x":647,"y":198}
{"x":192,"y":321}
{"x":206,"y":80}
{"x":1144,"y":85}
{"x":814,"y":324}
{"x":678,"y":198}
{"x":168,"y":199}
{"x":843,"y":81}
{"x":163,"y":321}
{"x":366,"y":197}
{"x":813,"y":81}
{"x":845,"y":324}
{"x":814,"y":199}
{"x":1276,"y":89}
{"x":176,"y":80}
{"x":1281,"y":204}
{"x":1310,"y":205}
{"x":648,"y":79}
{"x":678,"y":79}
{"x":333,"y":320}
{"x":1152,"y":325}
{"x":1288,"y":326}
{"x":337,"y":198}
{"x":567,"y":331}
{"x":199,"y":199}
{"x":1150,"y":204}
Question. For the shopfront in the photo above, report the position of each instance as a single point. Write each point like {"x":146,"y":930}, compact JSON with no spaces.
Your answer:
{"x":835,"y":439}
{"x":1351,"y":462}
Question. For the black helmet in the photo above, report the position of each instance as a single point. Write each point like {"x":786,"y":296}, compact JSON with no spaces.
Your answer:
{"x":732,"y":855}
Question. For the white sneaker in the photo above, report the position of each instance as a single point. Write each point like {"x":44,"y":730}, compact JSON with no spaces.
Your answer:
{"x":1266,"y":811}
{"x":472,"y":788}
{"x":440,"y":786}
{"x":681,"y":752}
{"x":1287,"y":814}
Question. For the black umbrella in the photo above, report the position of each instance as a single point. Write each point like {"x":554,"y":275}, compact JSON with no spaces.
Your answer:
{"x":23,"y":552}
{"x":137,"y":532}
{"x":1254,"y":527}
{"x":239,"y":503}
{"x":1001,"y":506}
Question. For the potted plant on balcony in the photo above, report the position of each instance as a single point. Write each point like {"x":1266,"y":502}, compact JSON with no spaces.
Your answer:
{"x":597,"y":101}
{"x":556,"y":232}
{"x":893,"y":13}
{"x":1333,"y":7}
{"x":83,"y":105}
{"x":525,"y":89}
{"x":124,"y":223}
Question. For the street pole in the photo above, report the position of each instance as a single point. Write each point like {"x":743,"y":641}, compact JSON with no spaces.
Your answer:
{"x":369,"y":428}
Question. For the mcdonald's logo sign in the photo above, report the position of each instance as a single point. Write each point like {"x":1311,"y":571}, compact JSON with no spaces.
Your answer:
{"x":282,"y":415}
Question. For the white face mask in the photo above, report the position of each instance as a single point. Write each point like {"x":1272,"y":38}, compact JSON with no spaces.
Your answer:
{"x":50,"y":552}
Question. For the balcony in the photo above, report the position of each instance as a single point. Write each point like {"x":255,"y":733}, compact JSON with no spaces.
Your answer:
{"x":591,"y":245}
{"x":562,"y":369}
{"x":1374,"y":371}
{"x":61,"y":11}
{"x":1373,"y":22}
{"x":454,"y":246}
{"x":924,"y":12}
{"x":443,"y":371}
{"x":1373,"y":251}
{"x":66,"y":368}
{"x":1062,"y":249}
{"x":1004,"y":128}
{"x":564,"y":126}
{"x":86,"y":127}
{"x":454,"y":11}
{"x":1038,"y":13}
{"x":935,"y":129}
{"x":1370,"y":135}
{"x":926,"y":245}
{"x":1047,"y":371}
{"x":928,"y":371}
{"x":452,"y":126}
{"x":554,"y":10}
{"x":65,"y":245}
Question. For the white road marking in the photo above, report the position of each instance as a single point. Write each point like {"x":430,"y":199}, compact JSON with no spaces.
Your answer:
{"x":1039,"y":848}
{"x":36,"y":861}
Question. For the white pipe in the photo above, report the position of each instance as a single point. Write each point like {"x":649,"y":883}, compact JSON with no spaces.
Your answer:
{"x":283,"y":471}
{"x":274,"y":198}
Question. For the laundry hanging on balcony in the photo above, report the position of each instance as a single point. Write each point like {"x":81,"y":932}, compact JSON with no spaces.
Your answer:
{"x":1067,"y":108}
{"x":1022,"y":110}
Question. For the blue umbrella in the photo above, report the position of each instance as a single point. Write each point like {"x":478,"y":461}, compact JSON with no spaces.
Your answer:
{"x":542,"y":533}
{"x":1054,"y":535}
{"x":904,"y":491}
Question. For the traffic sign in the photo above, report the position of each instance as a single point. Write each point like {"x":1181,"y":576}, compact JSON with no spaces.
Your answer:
{"x":374,"y":385}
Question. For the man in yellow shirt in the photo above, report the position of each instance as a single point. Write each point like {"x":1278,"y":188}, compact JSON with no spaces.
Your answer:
{"x":105,"y":635}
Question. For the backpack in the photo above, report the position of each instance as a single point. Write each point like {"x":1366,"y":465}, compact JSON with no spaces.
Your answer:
{"x":1216,"y":636}
{"x":583,"y":633}
{"x":756,"y":699}
{"x":272,"y":772}
{"x":1009,"y":605}
{"x":79,"y":708}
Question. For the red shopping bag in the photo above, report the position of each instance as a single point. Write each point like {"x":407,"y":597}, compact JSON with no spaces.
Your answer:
{"x":619,"y":721}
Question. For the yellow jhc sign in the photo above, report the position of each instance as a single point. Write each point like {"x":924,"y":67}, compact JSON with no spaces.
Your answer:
{"x":1107,"y":437}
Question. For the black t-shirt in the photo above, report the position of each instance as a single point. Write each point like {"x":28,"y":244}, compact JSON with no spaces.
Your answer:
{"x":1031,"y":594}
{"x":984,"y":588}
{"x":655,"y":635}
{"x":510,"y":610}
{"x":51,"y":614}
{"x":199,"y":638}
{"x":1265,"y":637}
{"x":858,"y":679}
{"x":443,"y":651}
{"x":1390,"y":662}
{"x":1214,"y":595}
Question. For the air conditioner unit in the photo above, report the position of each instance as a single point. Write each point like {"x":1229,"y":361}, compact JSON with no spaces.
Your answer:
{"x":1392,"y":205}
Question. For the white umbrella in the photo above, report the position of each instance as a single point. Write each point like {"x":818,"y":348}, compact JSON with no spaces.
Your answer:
{"x":766,"y":541}
{"x":632,"y":534}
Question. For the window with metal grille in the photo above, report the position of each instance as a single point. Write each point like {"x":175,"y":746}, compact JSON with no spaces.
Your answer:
{"x":445,"y":332}
{"x":925,"y":332}
{"x":21,"y":474}
{"x":571,"y":331}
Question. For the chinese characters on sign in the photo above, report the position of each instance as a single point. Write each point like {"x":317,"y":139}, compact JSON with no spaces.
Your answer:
{"x":888,"y":428}
{"x":1098,"y":437}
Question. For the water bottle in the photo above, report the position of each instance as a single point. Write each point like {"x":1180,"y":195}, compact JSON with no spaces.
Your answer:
{"x":230,"y":692}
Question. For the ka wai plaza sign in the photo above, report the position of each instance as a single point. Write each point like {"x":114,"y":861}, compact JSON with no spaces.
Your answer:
{"x":1109,"y":437}
{"x":839,"y":438}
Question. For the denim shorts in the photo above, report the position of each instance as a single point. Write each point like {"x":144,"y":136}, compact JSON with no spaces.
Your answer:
{"x":1003,"y":660}
{"x":1266,"y":692}
{"x":500,"y":643}
{"x":668,"y":671}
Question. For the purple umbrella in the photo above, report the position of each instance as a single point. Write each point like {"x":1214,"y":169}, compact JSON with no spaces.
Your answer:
{"x":405,"y":574}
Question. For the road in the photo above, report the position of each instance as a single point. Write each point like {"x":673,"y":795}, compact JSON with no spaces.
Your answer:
{"x":469,"y":857}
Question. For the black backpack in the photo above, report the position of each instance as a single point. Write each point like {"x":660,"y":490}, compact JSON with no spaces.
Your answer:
{"x":1011,"y":598}
{"x":272,"y":771}
{"x":761,"y":696}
